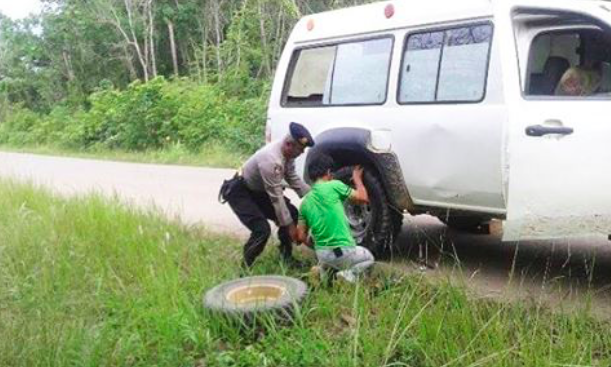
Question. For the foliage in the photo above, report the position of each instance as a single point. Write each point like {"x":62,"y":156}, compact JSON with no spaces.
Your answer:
{"x":91,"y":74}
{"x":91,"y":282}
{"x":19,"y":127}
{"x":145,"y":116}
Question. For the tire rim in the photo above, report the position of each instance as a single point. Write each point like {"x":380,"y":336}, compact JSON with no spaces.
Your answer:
{"x":255,"y":294}
{"x":359,"y":219}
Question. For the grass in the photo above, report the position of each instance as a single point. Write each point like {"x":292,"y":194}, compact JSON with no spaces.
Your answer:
{"x":212,"y":155}
{"x":90,"y":282}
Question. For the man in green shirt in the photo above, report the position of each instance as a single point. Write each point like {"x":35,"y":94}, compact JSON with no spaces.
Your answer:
{"x":322,"y":214}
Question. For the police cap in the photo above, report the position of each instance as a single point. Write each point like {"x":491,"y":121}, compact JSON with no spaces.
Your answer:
{"x":301,"y":134}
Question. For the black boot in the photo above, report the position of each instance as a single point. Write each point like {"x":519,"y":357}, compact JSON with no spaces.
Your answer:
{"x":286,"y":249}
{"x":256,"y":243}
{"x":286,"y":253}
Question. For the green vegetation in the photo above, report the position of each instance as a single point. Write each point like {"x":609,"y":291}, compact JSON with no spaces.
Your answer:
{"x":142,"y":75}
{"x":151,"y":116}
{"x":88,"y":281}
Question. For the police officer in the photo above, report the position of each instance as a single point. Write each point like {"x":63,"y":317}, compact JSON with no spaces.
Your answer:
{"x":256,"y":194}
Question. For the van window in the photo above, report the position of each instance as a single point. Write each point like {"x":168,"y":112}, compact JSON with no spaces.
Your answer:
{"x":312,"y":70}
{"x":462,"y":76}
{"x":570,"y":63}
{"x":446,"y":66}
{"x":353,"y":73}
{"x":361,"y":72}
{"x":420,"y":67}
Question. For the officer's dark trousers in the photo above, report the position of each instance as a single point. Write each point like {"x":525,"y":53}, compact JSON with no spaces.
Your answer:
{"x":254,"y":209}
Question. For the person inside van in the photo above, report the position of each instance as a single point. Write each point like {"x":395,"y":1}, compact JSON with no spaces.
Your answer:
{"x":586,"y":79}
{"x":322,"y":213}
{"x":579,"y":81}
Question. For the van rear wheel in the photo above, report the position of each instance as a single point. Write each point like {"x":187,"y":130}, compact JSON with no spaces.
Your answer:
{"x":374,"y":225}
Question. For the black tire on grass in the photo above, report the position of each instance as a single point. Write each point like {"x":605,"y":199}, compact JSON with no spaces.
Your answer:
{"x":247,"y":298}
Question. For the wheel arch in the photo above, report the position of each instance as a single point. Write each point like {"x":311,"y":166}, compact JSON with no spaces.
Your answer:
{"x":352,"y":146}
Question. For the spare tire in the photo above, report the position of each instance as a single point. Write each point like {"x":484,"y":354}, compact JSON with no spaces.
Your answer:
{"x":253,"y":296}
{"x":374,"y":225}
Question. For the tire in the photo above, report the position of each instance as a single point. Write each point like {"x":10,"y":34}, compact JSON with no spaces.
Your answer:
{"x":246,"y":298}
{"x":376,"y":225}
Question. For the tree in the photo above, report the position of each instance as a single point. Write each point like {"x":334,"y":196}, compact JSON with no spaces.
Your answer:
{"x":77,"y":45}
{"x":133,"y":21}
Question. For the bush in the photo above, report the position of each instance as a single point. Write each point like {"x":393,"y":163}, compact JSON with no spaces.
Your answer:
{"x":202,"y":116}
{"x":131,"y":119}
{"x":61,"y":127}
{"x":246,"y":130}
{"x":18,"y":128}
{"x":145,"y":116}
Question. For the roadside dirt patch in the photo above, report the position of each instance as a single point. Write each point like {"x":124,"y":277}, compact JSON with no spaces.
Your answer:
{"x":565,"y":276}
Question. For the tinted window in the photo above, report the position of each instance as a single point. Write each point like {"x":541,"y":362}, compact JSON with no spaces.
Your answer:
{"x":361,"y":72}
{"x":312,"y":71}
{"x":347,"y":73}
{"x":420,"y":67}
{"x":446,"y":65}
{"x":462,"y":76}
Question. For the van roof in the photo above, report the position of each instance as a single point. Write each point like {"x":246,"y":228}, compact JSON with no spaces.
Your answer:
{"x":370,"y":18}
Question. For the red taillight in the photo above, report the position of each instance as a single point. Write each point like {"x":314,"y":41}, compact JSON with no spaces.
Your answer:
{"x":389,"y":11}
{"x":310,"y":24}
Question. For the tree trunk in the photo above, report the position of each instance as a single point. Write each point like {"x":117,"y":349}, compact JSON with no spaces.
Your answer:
{"x":239,"y":43}
{"x":134,"y":40}
{"x":146,"y":53}
{"x":202,"y":27}
{"x":129,"y":63}
{"x":68,"y":64}
{"x":152,"y":38}
{"x":183,"y":53}
{"x":219,"y":39}
{"x":265,"y":54}
{"x":173,"y":46}
{"x":279,"y":37}
{"x":196,"y":64}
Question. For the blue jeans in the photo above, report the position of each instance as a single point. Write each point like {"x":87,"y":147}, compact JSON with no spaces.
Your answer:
{"x":355,"y":259}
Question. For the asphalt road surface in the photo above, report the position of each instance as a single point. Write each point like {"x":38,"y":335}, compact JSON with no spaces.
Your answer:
{"x":562,"y":274}
{"x":189,"y":193}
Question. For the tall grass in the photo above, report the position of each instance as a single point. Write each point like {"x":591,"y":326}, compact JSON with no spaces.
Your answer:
{"x":91,"y":282}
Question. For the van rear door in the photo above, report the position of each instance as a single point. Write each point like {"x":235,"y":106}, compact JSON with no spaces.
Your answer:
{"x":559,"y":126}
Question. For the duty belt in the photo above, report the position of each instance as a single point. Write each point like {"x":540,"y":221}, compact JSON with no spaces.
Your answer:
{"x":227,"y":186}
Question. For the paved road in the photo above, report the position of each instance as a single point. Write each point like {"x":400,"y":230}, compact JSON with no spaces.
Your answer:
{"x":559,"y":272}
{"x":189,"y":193}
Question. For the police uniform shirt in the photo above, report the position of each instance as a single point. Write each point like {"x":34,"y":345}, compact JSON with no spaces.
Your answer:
{"x":264,"y":172}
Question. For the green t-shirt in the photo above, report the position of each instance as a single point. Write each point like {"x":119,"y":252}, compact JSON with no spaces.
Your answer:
{"x":322,"y":210}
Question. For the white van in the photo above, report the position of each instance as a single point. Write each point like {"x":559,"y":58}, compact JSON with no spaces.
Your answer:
{"x":468,"y":110}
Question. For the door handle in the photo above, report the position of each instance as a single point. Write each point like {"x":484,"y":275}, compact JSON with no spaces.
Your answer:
{"x":540,"y":130}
